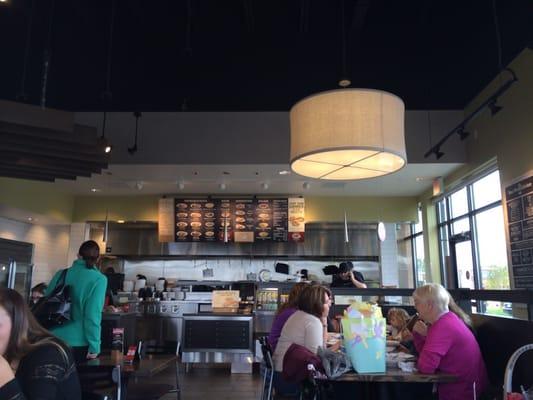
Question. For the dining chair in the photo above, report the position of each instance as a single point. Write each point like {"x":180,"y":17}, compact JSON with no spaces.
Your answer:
{"x":100,"y":382}
{"x":266,"y":350}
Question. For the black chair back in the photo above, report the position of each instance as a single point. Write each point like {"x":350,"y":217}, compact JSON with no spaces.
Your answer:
{"x":266,"y":350}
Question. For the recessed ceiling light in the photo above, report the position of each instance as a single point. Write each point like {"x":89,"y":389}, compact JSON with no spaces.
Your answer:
{"x":222,"y":186}
{"x":264,"y":186}
{"x":419,"y":178}
{"x":284,"y":172}
{"x":30,"y":219}
{"x":120,"y":221}
{"x":181,"y":185}
{"x":94,"y":190}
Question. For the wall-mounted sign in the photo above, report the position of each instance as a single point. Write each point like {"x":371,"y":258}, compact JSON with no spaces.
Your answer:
{"x":519,"y":207}
{"x":236,"y":220}
{"x":166,"y":220}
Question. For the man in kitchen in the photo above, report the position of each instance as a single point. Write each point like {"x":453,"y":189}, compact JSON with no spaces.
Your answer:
{"x":348,"y":277}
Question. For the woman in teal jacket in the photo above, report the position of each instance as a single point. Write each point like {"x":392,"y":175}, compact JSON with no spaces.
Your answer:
{"x":87,"y":290}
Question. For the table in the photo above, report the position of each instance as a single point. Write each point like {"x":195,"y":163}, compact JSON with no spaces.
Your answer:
{"x":394,"y":376}
{"x":149,"y":366}
{"x":397,"y":375}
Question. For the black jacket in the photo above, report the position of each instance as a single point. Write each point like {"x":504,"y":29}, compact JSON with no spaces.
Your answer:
{"x":339,"y":282}
{"x":46,"y":373}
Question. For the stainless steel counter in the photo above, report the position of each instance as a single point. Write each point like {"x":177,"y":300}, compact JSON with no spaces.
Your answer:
{"x":215,"y":337}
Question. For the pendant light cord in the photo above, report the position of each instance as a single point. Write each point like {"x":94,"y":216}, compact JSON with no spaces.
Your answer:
{"x":22,"y":94}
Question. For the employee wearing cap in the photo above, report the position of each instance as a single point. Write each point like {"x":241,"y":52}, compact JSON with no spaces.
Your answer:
{"x":348,"y":277}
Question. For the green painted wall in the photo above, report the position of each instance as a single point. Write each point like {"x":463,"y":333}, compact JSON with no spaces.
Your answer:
{"x":358,"y":209}
{"x":40,"y":198}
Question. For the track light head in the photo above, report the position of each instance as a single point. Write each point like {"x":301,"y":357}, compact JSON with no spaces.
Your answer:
{"x":462,"y":133}
{"x":132,"y":150}
{"x":438,"y":153}
{"x":494,"y":108}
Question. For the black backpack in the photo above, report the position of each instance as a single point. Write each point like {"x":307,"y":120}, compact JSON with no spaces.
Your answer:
{"x":54,"y":310}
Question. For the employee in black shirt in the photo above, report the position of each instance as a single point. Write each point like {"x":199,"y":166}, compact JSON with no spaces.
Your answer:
{"x":348,"y":277}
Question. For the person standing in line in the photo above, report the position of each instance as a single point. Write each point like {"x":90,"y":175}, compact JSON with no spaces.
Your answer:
{"x":87,"y":290}
{"x":348,"y":277}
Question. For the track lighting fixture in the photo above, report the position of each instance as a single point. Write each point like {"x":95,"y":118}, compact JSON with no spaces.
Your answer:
{"x":181,"y":185}
{"x":222,"y":186}
{"x":490,"y":103}
{"x":264,"y":186}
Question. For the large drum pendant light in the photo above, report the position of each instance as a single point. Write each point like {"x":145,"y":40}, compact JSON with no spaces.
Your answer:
{"x":348,"y":134}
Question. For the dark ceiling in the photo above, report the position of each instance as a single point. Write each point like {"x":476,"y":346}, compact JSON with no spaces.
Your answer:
{"x":254,"y":55}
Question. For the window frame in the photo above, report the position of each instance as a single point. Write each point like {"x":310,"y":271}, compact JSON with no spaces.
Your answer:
{"x":471,"y":214}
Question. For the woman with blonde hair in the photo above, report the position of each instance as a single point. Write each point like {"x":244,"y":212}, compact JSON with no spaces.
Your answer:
{"x":33,"y":363}
{"x":446,"y":344}
{"x":284,"y":312}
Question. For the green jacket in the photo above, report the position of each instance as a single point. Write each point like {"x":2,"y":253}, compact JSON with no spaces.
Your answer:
{"x":88,"y":286}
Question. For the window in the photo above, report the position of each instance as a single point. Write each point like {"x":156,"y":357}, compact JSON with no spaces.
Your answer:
{"x":472,"y":237}
{"x":411,"y":251}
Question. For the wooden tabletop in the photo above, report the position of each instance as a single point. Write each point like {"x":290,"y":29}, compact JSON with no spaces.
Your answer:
{"x":396,"y":375}
{"x":147,"y":367}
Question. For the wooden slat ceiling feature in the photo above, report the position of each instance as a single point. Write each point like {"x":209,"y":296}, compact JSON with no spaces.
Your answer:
{"x":45,"y":154}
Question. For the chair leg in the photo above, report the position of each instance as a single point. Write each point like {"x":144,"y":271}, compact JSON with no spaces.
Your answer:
{"x":271,"y":381}
{"x":264,"y":387}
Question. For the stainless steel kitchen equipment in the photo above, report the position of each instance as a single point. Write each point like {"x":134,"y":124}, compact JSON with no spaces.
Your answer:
{"x":16,"y":265}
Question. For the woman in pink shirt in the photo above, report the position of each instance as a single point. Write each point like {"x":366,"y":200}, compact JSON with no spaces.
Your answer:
{"x":447,"y":345}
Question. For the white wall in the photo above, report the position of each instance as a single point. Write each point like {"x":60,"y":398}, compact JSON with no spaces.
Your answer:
{"x":50,"y":245}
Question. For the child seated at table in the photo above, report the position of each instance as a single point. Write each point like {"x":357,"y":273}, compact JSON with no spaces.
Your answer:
{"x":397,"y":319}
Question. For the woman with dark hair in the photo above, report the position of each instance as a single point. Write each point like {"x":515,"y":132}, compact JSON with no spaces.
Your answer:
{"x":33,"y":363}
{"x":284,"y":313}
{"x":87,"y":291}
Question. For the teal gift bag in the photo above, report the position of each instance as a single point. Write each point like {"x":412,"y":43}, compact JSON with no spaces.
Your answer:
{"x":365,"y":343}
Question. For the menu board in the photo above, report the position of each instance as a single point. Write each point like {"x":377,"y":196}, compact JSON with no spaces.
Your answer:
{"x":519,"y":206}
{"x":296,"y":219}
{"x":234,"y":220}
{"x":195,"y":220}
{"x":224,"y":217}
{"x":243,"y":220}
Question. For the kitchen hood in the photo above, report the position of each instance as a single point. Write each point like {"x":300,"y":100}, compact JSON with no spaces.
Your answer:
{"x":140,"y":239}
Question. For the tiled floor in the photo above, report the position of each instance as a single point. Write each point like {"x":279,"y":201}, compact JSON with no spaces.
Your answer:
{"x":212,"y":383}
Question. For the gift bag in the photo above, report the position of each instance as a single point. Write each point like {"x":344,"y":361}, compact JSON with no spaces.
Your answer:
{"x":365,"y":337}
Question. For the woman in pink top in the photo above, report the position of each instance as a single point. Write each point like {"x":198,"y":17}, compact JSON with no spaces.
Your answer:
{"x":447,"y":345}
